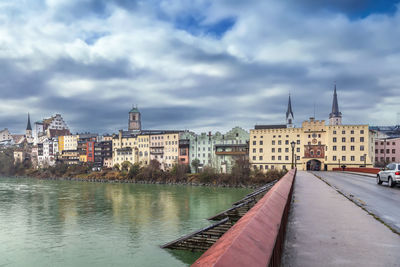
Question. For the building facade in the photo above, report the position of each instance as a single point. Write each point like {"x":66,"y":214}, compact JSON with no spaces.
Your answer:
{"x":387,"y":150}
{"x":203,"y":148}
{"x":313,"y":146}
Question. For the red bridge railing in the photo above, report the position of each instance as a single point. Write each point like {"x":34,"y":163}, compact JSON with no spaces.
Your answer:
{"x":257,"y":238}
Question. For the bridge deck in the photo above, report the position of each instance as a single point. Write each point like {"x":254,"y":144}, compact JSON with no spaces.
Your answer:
{"x":326,"y":229}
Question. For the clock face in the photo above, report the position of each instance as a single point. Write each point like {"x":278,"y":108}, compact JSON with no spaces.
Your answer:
{"x":314,"y":135}
{"x":314,"y":141}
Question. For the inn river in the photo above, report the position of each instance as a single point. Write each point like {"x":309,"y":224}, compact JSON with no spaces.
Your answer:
{"x":67,"y":223}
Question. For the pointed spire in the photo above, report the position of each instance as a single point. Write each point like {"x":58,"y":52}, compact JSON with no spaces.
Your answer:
{"x":28,"y":126}
{"x":289,"y":109}
{"x":335,"y":106}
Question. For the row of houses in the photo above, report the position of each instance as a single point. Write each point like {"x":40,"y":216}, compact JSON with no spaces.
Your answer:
{"x":315,"y":145}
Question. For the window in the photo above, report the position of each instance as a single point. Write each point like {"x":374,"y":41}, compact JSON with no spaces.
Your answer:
{"x":334,"y":132}
{"x":334,"y":148}
{"x":361,"y":158}
{"x":279,"y":150}
{"x":312,"y":153}
{"x":352,"y":139}
{"x":393,"y":159}
{"x":261,"y":150}
{"x":254,"y":157}
{"x":254,"y":150}
{"x":273,"y":142}
{"x":286,"y":149}
{"x":362,"y":132}
{"x":261,"y":142}
{"x":352,"y":148}
{"x":261,"y":158}
{"x":266,"y":167}
{"x":273,"y":150}
{"x":286,"y":142}
{"x":361,"y":148}
{"x":318,"y":152}
{"x":343,"y":139}
{"x":387,"y":151}
{"x":298,"y":142}
{"x":352,"y":158}
{"x":352,"y":132}
{"x":273,"y":157}
{"x":343,"y":158}
{"x":279,"y":158}
{"x":297,"y":157}
{"x":361,"y":139}
{"x":334,"y":139}
{"x":286,"y":157}
{"x":298,"y":149}
{"x":284,"y":167}
{"x":334,"y":158}
{"x":279,"y":142}
{"x":382,"y":151}
{"x":261,"y":167}
{"x":254,"y":143}
{"x":343,"y":132}
{"x":393,"y":151}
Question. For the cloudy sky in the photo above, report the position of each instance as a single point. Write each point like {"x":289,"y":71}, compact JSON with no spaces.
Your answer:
{"x":197,"y":64}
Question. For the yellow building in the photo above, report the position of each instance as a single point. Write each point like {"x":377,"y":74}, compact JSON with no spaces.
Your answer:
{"x":171,"y":149}
{"x":143,"y":141}
{"x":60,"y":144}
{"x":316,"y":146}
{"x":313,"y":146}
{"x":82,"y":158}
{"x":70,"y":142}
{"x":125,"y":148}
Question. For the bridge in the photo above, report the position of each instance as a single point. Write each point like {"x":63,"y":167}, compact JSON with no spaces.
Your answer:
{"x":315,"y":219}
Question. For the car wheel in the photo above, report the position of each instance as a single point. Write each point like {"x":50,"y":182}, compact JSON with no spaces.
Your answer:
{"x":391,"y":183}
{"x":378,"y":180}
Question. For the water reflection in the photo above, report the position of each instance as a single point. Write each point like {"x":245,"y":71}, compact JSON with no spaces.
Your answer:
{"x":47,"y":223}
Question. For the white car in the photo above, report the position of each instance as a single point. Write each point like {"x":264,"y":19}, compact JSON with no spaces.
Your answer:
{"x":389,"y":174}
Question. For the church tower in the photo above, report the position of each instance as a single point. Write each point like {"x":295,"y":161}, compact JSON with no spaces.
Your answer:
{"x":289,"y":115}
{"x":135,"y":123}
{"x":335,"y":117}
{"x":28,"y":132}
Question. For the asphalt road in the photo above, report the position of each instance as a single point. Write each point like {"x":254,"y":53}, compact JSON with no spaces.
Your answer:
{"x":380,"y":200}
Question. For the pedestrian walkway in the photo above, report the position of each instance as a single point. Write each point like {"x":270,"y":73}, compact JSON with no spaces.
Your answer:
{"x":327,"y":229}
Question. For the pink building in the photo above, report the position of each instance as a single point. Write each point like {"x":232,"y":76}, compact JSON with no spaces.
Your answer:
{"x":387,"y":150}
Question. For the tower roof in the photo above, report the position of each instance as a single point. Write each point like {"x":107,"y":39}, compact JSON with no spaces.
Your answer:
{"x":289,"y":109}
{"x":28,"y":126}
{"x":134,"y":110}
{"x":335,"y":106}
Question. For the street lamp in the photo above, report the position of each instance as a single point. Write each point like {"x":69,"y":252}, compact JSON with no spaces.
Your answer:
{"x":292,"y":144}
{"x":365,"y":160}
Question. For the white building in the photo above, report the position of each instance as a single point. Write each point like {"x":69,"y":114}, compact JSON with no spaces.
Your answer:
{"x":47,"y":152}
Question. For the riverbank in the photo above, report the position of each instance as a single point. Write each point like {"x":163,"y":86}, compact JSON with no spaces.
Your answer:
{"x":131,"y":181}
{"x":179,"y":175}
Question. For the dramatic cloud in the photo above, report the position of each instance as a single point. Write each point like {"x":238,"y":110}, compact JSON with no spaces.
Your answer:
{"x":200,"y":65}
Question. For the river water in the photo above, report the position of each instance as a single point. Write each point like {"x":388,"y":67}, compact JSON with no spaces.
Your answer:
{"x":68,"y":223}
